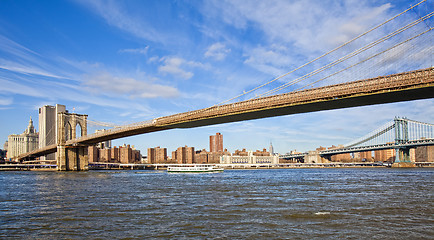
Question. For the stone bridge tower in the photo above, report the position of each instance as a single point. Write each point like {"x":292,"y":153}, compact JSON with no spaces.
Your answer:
{"x":71,"y":157}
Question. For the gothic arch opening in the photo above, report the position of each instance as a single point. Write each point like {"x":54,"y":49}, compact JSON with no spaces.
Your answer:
{"x":78,"y":130}
{"x":68,"y":131}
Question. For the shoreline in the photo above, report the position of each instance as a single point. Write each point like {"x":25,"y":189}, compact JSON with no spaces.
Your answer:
{"x":118,"y":166}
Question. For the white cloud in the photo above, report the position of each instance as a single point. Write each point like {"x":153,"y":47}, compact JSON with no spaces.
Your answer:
{"x":116,"y":15}
{"x":107,"y":84}
{"x":10,"y":86}
{"x":270,"y":60}
{"x":218,"y":51}
{"x":25,"y":69}
{"x":306,"y":28}
{"x":19,"y":59}
{"x":303,"y":22}
{"x":174,"y":66}
{"x":10,"y":47}
{"x":153,"y":59}
{"x":24,"y":73}
{"x":6,"y":101}
{"x":142,"y":51}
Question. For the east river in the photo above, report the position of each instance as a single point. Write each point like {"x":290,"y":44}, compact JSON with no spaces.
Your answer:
{"x":368,"y":203}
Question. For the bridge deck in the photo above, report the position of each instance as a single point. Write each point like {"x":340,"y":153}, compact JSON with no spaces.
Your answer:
{"x":405,"y":86}
{"x":385,"y":89}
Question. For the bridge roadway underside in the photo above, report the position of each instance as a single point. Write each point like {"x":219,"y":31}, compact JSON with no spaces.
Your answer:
{"x":343,"y":102}
{"x":346,"y":102}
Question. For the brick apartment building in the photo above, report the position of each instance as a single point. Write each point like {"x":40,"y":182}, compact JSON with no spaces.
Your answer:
{"x":157,"y":155}
{"x":424,"y":154}
{"x":216,"y":143}
{"x":122,"y":154}
{"x":184,"y":155}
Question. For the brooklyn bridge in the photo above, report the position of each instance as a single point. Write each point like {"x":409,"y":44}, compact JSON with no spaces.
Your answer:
{"x":385,"y":89}
{"x":394,"y":59}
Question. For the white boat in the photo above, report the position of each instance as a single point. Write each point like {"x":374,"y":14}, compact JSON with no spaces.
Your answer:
{"x":194,"y":169}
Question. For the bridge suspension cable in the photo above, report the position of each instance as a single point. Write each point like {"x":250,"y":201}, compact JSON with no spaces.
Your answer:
{"x":350,"y":55}
{"x":102,"y":124}
{"x":364,"y":60}
{"x":326,"y":54}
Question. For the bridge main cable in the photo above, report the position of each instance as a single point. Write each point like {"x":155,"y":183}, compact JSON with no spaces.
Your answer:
{"x":324,"y":55}
{"x":350,"y":55}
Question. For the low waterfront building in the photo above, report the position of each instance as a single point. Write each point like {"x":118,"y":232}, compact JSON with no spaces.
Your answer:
{"x":249,"y":158}
{"x":23,"y":143}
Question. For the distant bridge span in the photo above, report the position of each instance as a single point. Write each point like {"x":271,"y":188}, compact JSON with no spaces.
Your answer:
{"x":406,"y":86}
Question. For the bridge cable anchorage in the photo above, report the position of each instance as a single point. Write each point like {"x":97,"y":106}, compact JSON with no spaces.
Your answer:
{"x":322,"y":56}
{"x":350,"y":55}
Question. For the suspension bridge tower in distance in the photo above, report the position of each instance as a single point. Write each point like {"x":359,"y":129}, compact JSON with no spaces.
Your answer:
{"x":402,"y":158}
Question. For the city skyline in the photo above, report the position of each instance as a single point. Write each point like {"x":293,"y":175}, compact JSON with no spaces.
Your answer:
{"x":123,"y":62}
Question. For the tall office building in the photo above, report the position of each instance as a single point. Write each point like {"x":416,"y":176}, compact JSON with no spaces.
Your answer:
{"x":216,"y":143}
{"x":48,"y":127}
{"x":271,"y":149}
{"x":23,"y":143}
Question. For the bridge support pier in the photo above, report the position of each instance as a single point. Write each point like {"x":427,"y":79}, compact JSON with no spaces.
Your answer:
{"x":312,"y":157}
{"x":72,"y":158}
{"x":402,"y":158}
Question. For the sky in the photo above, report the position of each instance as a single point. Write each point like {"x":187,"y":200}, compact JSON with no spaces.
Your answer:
{"x":129,"y":61}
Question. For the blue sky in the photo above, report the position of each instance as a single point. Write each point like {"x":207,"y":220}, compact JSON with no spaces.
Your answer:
{"x":129,"y":61}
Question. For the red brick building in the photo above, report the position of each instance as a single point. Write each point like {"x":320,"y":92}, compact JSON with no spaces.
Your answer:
{"x":157,"y":155}
{"x":203,"y":156}
{"x":216,"y":143}
{"x":387,"y":155}
{"x":123,"y":154}
{"x":184,"y":155}
{"x":424,"y":154}
{"x":343,"y":157}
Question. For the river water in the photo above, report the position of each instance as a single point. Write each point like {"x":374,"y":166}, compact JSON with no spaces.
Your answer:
{"x":236,"y":204}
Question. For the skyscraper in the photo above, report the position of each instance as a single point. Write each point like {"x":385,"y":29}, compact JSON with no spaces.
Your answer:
{"x":48,"y":127}
{"x":271,"y":150}
{"x":216,"y":143}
